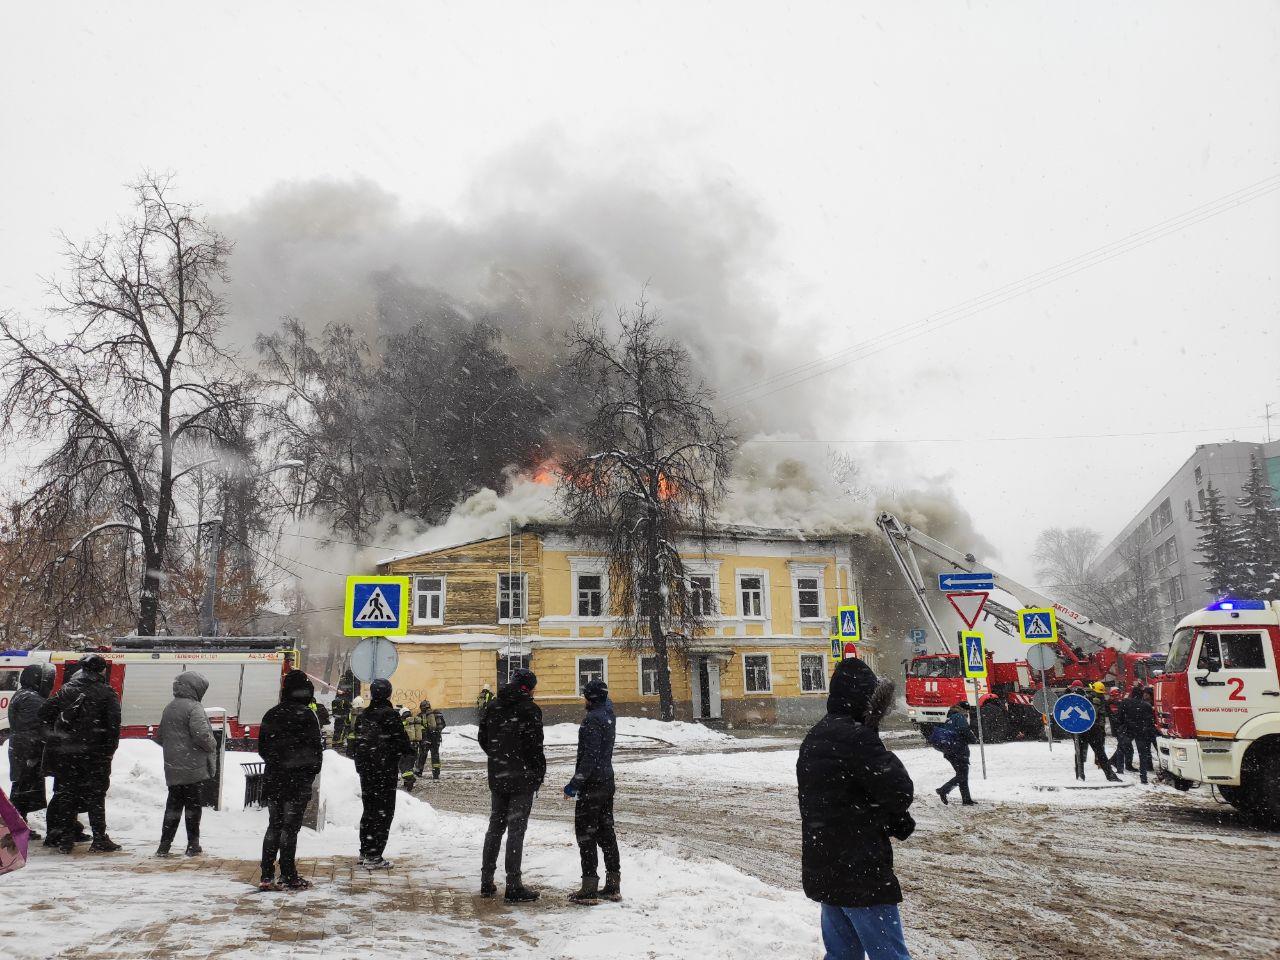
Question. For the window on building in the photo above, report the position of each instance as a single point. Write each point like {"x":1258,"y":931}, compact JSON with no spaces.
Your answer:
{"x":751,"y":590}
{"x":508,"y":665}
{"x":512,"y":591}
{"x":648,"y":676}
{"x":702,"y":595}
{"x":1186,"y":508}
{"x":590,"y":668}
{"x":809,"y":598}
{"x":1166,"y":554}
{"x":1199,"y":476}
{"x":758,"y":679}
{"x":1175,"y":590}
{"x":813,"y":673}
{"x":428,"y":600}
{"x":590,"y":594}
{"x":1163,"y":516}
{"x":1204,"y":503}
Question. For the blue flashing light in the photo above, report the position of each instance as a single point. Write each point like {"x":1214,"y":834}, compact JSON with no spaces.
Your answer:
{"x":14,"y":653}
{"x":1227,"y":603}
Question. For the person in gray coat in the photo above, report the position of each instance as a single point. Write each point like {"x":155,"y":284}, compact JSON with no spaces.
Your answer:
{"x":189,"y":759}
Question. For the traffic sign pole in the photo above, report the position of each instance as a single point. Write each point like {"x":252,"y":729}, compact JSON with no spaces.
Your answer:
{"x":1044,"y":685}
{"x":982,"y":743}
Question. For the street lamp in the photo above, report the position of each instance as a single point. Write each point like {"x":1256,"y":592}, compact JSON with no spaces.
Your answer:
{"x":208,"y":622}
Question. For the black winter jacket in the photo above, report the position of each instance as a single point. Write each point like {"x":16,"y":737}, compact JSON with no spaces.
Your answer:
{"x":290,"y":746}
{"x":85,"y":715}
{"x":511,"y":736}
{"x":854,"y":796}
{"x":1139,"y":718}
{"x":27,"y":731}
{"x":594,"y":770}
{"x":380,"y":740}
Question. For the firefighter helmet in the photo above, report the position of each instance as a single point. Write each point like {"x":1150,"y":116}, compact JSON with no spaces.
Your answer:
{"x":1098,"y":687}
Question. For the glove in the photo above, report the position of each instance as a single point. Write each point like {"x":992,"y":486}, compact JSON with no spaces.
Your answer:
{"x":903,"y":828}
{"x":408,"y":780}
{"x":570,"y":789}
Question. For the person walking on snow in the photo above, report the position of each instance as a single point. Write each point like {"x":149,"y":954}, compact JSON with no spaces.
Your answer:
{"x":593,"y":786}
{"x":1095,"y":738}
{"x":511,"y":736}
{"x":854,"y":796}
{"x":85,"y":715}
{"x":380,"y":744}
{"x":190,"y":759}
{"x":292,"y":751}
{"x":28,"y":735}
{"x":433,"y":724}
{"x":952,"y":738}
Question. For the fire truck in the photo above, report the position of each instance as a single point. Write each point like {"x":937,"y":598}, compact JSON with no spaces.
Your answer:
{"x":244,"y":675}
{"x":1218,"y":705}
{"x":1087,"y":650}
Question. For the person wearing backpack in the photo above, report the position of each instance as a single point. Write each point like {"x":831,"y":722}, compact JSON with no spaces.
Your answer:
{"x":379,"y":745}
{"x":85,"y":715}
{"x":433,"y":724}
{"x":952,"y":739}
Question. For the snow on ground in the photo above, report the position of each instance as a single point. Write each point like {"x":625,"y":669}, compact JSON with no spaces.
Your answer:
{"x":1021,"y":773}
{"x":633,"y":732}
{"x":102,"y":902}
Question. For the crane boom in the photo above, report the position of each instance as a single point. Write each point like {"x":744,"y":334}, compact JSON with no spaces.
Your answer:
{"x":903,"y":537}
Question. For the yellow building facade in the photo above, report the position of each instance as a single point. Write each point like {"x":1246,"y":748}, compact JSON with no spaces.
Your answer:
{"x":540,"y":598}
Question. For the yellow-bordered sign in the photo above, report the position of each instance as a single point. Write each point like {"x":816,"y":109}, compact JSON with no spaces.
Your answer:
{"x":850,"y":623}
{"x":973,"y":654}
{"x":1037,"y":625}
{"x":376,"y":607}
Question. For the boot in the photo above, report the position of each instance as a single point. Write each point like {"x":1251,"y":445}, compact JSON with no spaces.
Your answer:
{"x":104,"y":844}
{"x":162,"y":851}
{"x":590,"y":892}
{"x":942,"y":795}
{"x":612,"y":889}
{"x":487,"y":887}
{"x":517,"y":892}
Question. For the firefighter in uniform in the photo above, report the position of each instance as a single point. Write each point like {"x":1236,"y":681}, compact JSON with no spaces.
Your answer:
{"x":413,"y":730}
{"x":433,"y":724}
{"x":1095,"y":737}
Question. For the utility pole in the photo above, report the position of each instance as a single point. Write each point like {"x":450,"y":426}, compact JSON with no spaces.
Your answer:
{"x":213,"y":556}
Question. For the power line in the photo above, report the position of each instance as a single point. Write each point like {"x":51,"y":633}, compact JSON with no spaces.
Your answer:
{"x":819,"y":366}
{"x":1024,"y":439}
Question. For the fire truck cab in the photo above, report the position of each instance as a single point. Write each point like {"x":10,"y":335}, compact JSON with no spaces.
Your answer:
{"x":1218,"y":705}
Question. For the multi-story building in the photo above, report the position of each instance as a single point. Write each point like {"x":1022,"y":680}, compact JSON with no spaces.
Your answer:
{"x":540,"y":598}
{"x":1163,"y":535}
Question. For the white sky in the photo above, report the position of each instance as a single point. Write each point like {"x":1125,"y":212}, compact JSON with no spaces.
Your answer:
{"x":912,"y":155}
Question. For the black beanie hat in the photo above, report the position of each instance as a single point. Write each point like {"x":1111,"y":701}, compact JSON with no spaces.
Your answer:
{"x":380,"y":690}
{"x":852,"y":685}
{"x":297,"y":686}
{"x":596,"y":691}
{"x":524,"y":680}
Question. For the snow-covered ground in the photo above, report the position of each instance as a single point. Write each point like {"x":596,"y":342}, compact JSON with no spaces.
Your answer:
{"x":710,"y":910}
{"x":632,"y":733}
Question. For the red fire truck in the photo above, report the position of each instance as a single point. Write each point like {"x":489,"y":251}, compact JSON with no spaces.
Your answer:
{"x":935,"y":681}
{"x":244,"y":675}
{"x":1218,"y":705}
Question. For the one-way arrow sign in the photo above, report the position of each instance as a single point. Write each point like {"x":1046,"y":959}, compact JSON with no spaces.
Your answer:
{"x":966,"y":581}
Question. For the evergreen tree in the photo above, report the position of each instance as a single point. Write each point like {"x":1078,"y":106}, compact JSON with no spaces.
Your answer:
{"x":1257,"y":536}
{"x":1218,"y":545}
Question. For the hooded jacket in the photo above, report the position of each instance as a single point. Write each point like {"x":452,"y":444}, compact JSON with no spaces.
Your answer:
{"x":854,"y":795}
{"x":28,"y":732}
{"x":511,"y":735}
{"x":380,"y":739}
{"x":594,"y":769}
{"x":289,"y":741}
{"x":190,"y":750}
{"x":85,"y":715}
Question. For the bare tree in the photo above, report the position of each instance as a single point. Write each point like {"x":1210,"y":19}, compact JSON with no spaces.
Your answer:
{"x":1065,"y":562}
{"x":653,"y":465}
{"x":137,"y":376}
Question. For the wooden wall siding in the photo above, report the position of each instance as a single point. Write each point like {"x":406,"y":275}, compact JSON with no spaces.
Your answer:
{"x":471,"y":574}
{"x":446,"y":675}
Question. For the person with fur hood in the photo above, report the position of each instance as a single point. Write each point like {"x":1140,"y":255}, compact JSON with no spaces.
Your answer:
{"x":854,"y":798}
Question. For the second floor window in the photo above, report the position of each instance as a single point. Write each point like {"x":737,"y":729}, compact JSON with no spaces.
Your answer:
{"x":511,"y":597}
{"x":751,"y":588}
{"x":428,"y":600}
{"x":809,"y":598}
{"x":648,"y":676}
{"x":701,"y":595}
{"x":590,"y":595}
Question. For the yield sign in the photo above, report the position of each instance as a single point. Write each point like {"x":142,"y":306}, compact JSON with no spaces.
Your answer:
{"x":969,"y":605}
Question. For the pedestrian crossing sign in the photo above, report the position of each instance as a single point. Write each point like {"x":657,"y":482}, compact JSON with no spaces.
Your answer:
{"x":1038,"y":625}
{"x":973,"y":655}
{"x":850,"y":624}
{"x":376,"y":607}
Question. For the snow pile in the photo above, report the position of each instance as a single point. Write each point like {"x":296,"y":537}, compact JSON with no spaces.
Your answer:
{"x":1021,"y":773}
{"x":633,"y":733}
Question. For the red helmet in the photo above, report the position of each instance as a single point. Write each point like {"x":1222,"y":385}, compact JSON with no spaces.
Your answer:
{"x":1076,"y":683}
{"x":1114,"y":693}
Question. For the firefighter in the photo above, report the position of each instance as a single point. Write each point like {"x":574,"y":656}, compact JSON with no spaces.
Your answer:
{"x":1095,"y":737}
{"x":1122,"y":759}
{"x":483,"y":699}
{"x":341,"y":711}
{"x":1140,"y":719}
{"x":349,"y":739}
{"x":413,"y":730}
{"x":433,"y":724}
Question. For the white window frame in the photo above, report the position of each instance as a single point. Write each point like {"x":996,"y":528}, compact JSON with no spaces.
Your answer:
{"x":577,"y":594}
{"x":577,"y":670}
{"x":640,"y":674}
{"x":592,"y":566}
{"x":768,"y":659}
{"x":822,"y":671}
{"x":809,"y":571}
{"x":764,"y":594}
{"x":524,"y":598}
{"x":444,"y":595}
{"x":711,"y":589}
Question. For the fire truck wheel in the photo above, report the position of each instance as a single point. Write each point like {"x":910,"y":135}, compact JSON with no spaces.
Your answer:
{"x":1260,"y":784}
{"x":1230,"y":794}
{"x":995,"y":723}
